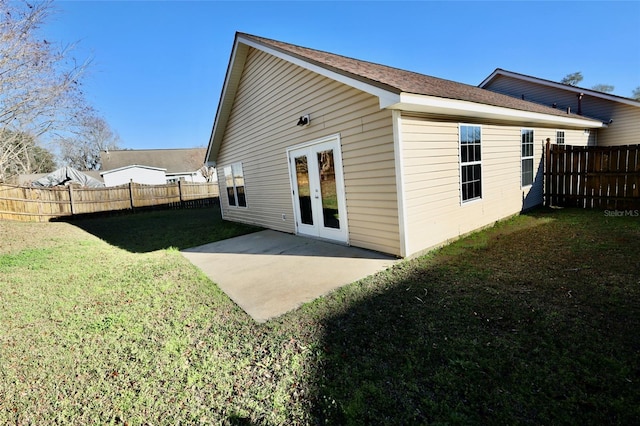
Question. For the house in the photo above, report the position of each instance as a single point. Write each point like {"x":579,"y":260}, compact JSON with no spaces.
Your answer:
{"x":145,"y":175}
{"x":144,"y":165}
{"x":621,"y":114}
{"x":326,"y":146}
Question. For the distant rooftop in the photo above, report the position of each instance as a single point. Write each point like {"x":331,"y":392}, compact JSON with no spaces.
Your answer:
{"x":173,"y":160}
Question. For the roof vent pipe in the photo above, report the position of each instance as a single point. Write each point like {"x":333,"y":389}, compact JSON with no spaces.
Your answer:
{"x":568,"y":110}
{"x":580,"y":95}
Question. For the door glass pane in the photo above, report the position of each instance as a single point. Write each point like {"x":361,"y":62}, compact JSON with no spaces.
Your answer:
{"x":238,"y":178}
{"x":304,"y":191}
{"x":328,"y":191}
{"x":231,"y":194}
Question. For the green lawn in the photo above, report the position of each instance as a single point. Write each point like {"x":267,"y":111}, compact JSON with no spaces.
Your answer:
{"x":534,"y":321}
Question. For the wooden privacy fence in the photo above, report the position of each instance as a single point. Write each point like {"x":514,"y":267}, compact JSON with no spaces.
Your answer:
{"x":592,"y":176}
{"x":43,"y":204}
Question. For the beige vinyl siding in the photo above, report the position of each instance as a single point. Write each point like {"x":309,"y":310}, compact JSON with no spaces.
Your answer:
{"x":625,"y":129}
{"x":271,"y":96}
{"x":434,"y":211}
{"x":576,"y":137}
{"x":626,"y":118}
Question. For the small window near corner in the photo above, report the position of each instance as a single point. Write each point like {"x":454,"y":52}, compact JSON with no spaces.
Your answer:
{"x":527,"y":157}
{"x":470,"y":162}
{"x":560,"y":137}
{"x":234,"y":178}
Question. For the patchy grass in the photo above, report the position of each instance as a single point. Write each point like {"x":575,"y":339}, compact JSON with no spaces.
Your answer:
{"x":534,"y":321}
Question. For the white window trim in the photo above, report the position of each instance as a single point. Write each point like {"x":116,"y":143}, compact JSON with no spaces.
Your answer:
{"x":564,"y":137}
{"x":531,"y":157}
{"x":235,"y":188}
{"x":470,"y":163}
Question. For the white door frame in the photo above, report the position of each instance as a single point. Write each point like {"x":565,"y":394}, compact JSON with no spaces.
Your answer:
{"x":318,"y":229}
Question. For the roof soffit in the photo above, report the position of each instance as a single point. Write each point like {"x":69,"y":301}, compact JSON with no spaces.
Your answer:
{"x":454,"y":107}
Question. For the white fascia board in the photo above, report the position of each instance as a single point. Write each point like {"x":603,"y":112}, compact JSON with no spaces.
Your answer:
{"x":436,"y":105}
{"x":236,"y":61}
{"x":400,"y":188}
{"x":133,"y":166}
{"x":186,"y":173}
{"x":488,"y":79}
{"x":386,"y":97}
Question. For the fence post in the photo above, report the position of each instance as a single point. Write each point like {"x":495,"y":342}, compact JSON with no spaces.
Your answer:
{"x":73,"y":210}
{"x":131,"y":194}
{"x":180,"y":191}
{"x":547,"y":173}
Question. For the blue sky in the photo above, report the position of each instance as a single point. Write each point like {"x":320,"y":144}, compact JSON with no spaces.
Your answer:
{"x":158,"y":67}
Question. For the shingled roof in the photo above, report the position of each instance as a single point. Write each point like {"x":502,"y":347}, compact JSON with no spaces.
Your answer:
{"x":173,"y":160}
{"x":398,"y":80}
{"x":395,"y":88}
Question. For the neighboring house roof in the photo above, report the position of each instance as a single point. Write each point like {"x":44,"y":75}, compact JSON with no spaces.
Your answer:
{"x":133,"y":166}
{"x":395,"y":88}
{"x":575,"y":89}
{"x":171,"y":160}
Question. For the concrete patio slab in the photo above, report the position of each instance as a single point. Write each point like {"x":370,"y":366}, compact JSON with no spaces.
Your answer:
{"x":269,"y":273}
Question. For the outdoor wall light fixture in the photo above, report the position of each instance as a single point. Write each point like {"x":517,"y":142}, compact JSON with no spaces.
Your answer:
{"x":304,"y":120}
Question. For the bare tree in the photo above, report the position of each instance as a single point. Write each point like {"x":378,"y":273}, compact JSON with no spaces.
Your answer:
{"x":636,"y":94}
{"x":82,"y":146}
{"x":39,"y":84}
{"x":209,"y":173}
{"x":572,"y":79}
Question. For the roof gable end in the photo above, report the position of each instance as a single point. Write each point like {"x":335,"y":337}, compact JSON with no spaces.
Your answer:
{"x":395,"y":89}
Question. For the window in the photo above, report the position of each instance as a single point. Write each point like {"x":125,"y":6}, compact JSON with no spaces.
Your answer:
{"x":234,"y":178}
{"x":470,"y":164}
{"x":560,"y":137}
{"x":527,"y":157}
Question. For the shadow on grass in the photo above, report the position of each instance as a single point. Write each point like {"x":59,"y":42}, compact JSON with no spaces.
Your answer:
{"x":499,"y":328}
{"x":239,"y":421}
{"x":150,"y":230}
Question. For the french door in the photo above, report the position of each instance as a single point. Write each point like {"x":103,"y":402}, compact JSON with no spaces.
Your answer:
{"x":318,"y":189}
